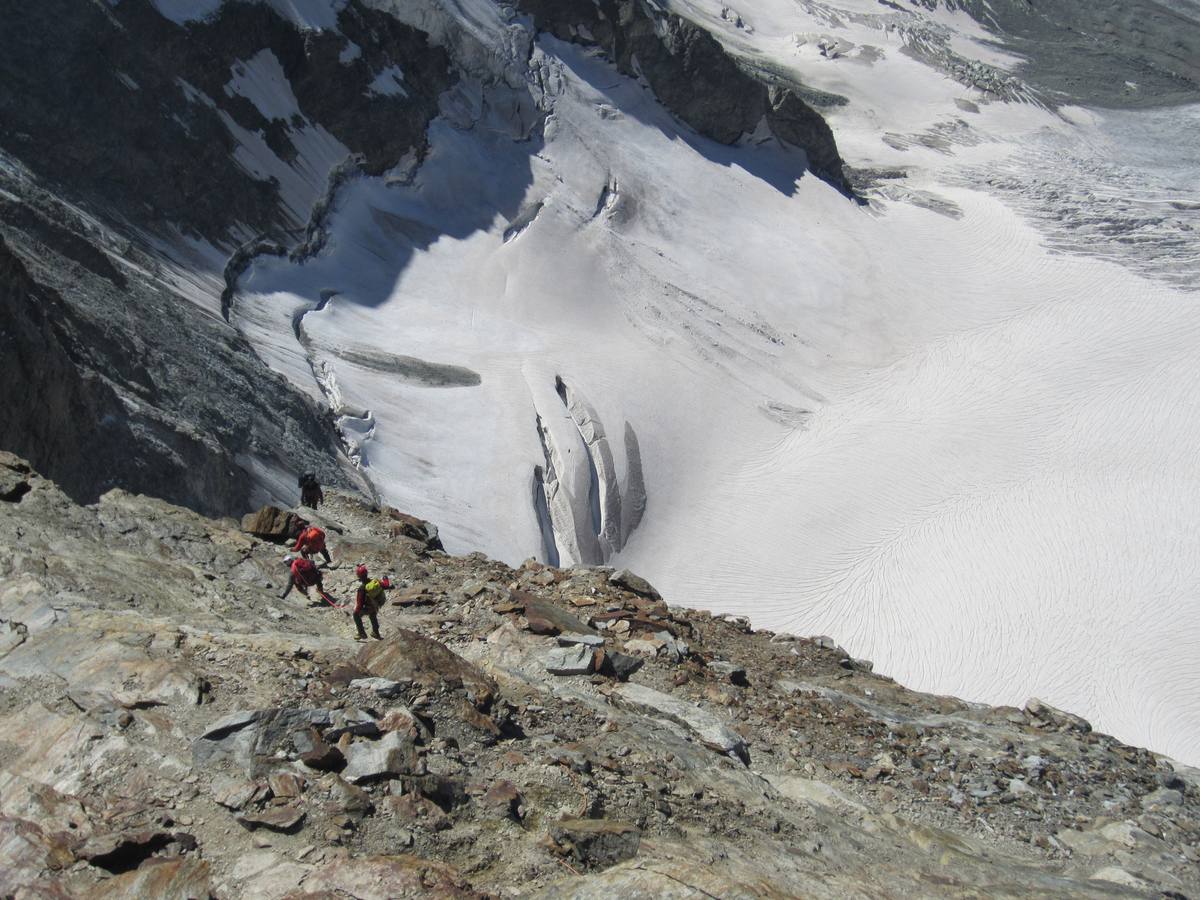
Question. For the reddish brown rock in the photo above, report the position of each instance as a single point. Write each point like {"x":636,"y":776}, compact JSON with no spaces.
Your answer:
{"x":538,"y":625}
{"x":168,"y":879}
{"x":272,"y":524}
{"x":387,"y":878}
{"x":279,"y":818}
{"x":414,"y":810}
{"x":26,"y":851}
{"x":504,"y":800}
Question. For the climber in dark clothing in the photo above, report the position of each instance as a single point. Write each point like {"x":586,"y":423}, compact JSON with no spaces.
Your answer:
{"x":310,"y":491}
{"x":367,"y":601}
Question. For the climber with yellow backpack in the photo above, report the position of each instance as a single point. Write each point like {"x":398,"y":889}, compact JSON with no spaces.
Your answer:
{"x":369,"y":598}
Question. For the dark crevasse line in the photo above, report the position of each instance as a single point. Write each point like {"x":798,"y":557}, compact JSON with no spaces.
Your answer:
{"x":633,"y":506}
{"x":541,"y":501}
{"x":542,"y":508}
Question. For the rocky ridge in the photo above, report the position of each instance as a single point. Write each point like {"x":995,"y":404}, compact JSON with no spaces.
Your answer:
{"x":170,"y":728}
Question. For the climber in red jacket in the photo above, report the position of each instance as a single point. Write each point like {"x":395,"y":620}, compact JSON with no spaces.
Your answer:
{"x":311,"y":541}
{"x":305,"y":574}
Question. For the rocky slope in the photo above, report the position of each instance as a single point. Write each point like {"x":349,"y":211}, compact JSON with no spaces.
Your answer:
{"x":170,"y":728}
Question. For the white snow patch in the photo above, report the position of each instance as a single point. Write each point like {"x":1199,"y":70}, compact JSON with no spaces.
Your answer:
{"x":184,"y":11}
{"x":308,"y":14}
{"x":262,"y":81}
{"x":388,"y":82}
{"x":302,"y":181}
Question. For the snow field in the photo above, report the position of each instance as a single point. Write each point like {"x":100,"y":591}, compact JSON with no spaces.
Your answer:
{"x":962,"y":455}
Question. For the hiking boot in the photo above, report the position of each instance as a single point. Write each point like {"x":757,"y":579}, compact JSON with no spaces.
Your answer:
{"x":376,"y":635}
{"x":361,"y":636}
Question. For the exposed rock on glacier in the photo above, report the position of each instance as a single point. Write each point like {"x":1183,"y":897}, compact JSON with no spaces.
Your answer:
{"x":691,"y":74}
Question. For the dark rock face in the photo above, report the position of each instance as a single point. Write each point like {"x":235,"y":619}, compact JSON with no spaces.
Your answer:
{"x":167,"y":159}
{"x":596,"y":843}
{"x":691,"y":74}
{"x":114,"y":383}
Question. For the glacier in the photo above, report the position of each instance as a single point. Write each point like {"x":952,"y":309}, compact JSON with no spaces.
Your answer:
{"x":953,"y":426}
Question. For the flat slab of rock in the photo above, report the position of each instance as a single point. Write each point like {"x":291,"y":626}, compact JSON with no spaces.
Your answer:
{"x":392,"y":755}
{"x":635,"y":583}
{"x":562,"y":620}
{"x":276,"y":818}
{"x":1063,"y":721}
{"x":818,"y":794}
{"x":707,"y":728}
{"x":572,"y":660}
{"x":596,"y":843}
{"x":585,"y":640}
{"x":384,"y":687}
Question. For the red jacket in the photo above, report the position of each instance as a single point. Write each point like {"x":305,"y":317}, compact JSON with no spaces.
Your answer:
{"x":305,"y":573}
{"x":312,"y":538}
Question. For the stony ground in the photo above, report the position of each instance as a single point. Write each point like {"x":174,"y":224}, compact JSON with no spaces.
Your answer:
{"x":170,"y":728}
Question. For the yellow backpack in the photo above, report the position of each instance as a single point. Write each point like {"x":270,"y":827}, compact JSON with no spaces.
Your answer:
{"x":374,"y":589}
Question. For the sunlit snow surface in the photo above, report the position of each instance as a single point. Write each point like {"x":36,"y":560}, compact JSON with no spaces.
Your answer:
{"x":956,"y":430}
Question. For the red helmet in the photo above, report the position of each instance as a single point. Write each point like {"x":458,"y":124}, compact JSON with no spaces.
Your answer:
{"x":360,"y":570}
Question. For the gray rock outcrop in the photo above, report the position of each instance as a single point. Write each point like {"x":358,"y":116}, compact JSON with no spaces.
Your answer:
{"x":692,"y":75}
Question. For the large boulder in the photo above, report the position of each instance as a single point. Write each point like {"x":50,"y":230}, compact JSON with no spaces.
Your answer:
{"x":413,"y":658}
{"x":272,"y":524}
{"x":393,"y":754}
{"x":596,"y":843}
{"x":544,"y":611}
{"x":1047,"y":716}
{"x":250,"y":738}
{"x":634,"y":583}
{"x":404,"y":525}
{"x":465,"y":708}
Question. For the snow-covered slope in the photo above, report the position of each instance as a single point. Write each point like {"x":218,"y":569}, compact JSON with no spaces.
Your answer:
{"x":916,"y":424}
